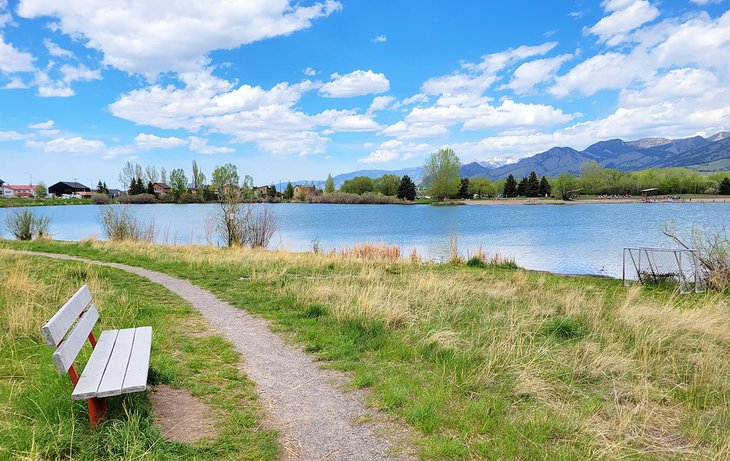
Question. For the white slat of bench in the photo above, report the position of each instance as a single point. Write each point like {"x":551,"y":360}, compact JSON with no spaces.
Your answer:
{"x":139,"y":361}
{"x":88,"y":384}
{"x":116,"y":369}
{"x":68,"y":350}
{"x":56,"y":328}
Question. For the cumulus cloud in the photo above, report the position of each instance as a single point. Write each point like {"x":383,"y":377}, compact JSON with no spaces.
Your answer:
{"x":13,"y":60}
{"x":380,"y":103}
{"x":395,"y":149}
{"x":55,"y":50}
{"x":201,"y":146}
{"x":357,"y":83}
{"x":532,"y":73}
{"x":309,"y":72}
{"x":626,"y":15}
{"x":47,"y":125}
{"x":10,"y":136}
{"x":151,"y":37}
{"x":346,"y":120}
{"x":147,"y":141}
{"x":75,"y":145}
{"x":415,"y":130}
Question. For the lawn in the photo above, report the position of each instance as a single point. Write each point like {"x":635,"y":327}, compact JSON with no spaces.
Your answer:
{"x":38,"y":419}
{"x":485,"y":362}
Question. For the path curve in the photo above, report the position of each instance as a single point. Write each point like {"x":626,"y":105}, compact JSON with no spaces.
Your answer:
{"x":317,"y":419}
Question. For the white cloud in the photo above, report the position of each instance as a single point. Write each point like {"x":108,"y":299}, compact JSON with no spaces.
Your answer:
{"x":309,"y":72}
{"x":625,"y":17}
{"x":15,"y":83}
{"x":611,"y":70}
{"x":357,"y":83}
{"x":47,"y":125}
{"x":415,"y":130}
{"x":150,"y":141}
{"x":13,"y":60}
{"x":394,"y":149}
{"x":79,"y":73}
{"x":10,"y":136}
{"x":150,"y":37}
{"x":531,"y":73}
{"x":380,"y":39}
{"x":380,"y":156}
{"x":55,"y":50}
{"x":513,"y":115}
{"x":346,"y":120}
{"x":75,"y":145}
{"x":201,"y":146}
{"x":380,"y":103}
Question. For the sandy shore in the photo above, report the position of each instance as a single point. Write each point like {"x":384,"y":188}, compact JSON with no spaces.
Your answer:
{"x":533,"y":201}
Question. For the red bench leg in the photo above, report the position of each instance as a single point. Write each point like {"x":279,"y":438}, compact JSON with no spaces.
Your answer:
{"x":97,"y":411}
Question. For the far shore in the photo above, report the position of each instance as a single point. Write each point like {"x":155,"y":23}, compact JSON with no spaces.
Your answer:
{"x":591,"y":201}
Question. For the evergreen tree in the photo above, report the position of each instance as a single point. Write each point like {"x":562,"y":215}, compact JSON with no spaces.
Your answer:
{"x":464,"y":188}
{"x":510,"y":187}
{"x":150,"y":188}
{"x":407,"y":189}
{"x":289,"y":191}
{"x":329,"y":185}
{"x":533,"y":186}
{"x":522,"y":187}
{"x":545,"y":188}
{"x":106,"y":189}
{"x":725,"y":186}
{"x":100,"y":187}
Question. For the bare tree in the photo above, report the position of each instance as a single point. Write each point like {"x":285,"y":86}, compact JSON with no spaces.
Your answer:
{"x":239,"y":224}
{"x":713,"y":248}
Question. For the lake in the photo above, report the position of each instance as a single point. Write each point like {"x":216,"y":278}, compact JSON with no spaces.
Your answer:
{"x":573,"y":239}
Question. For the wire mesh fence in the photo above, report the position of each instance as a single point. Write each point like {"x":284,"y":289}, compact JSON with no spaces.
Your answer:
{"x":664,"y":266}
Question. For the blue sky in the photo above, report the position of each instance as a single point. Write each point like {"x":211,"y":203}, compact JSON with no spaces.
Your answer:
{"x":290,"y":91}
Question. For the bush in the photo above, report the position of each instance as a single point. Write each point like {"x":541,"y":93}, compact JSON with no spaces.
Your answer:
{"x":100,"y":199}
{"x":117,"y":224}
{"x":713,"y":248}
{"x":26,"y":225}
{"x":368,"y":198}
{"x":136,"y":198}
{"x":240,"y":224}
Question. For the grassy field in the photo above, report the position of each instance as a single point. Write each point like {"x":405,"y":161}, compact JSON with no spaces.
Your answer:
{"x":484,"y":362}
{"x":38,"y":419}
{"x":18,"y":202}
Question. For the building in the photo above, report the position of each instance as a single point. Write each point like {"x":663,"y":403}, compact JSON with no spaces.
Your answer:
{"x":114,"y":193}
{"x":161,"y":188}
{"x":69,"y":188}
{"x":304,"y":191}
{"x":265,"y":191}
{"x":10,"y":191}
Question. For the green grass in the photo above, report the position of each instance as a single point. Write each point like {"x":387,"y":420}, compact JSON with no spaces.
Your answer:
{"x":17,"y":202}
{"x":488,"y":362}
{"x":38,"y":419}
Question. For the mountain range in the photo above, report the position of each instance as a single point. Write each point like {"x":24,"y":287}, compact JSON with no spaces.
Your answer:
{"x":697,"y":152}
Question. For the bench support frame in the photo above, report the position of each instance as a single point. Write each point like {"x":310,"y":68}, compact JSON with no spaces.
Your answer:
{"x":98,"y":407}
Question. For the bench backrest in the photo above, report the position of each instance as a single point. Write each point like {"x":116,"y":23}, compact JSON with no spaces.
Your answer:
{"x":79,"y":313}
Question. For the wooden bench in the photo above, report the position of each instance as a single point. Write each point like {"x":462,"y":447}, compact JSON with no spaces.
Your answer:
{"x":119,"y":361}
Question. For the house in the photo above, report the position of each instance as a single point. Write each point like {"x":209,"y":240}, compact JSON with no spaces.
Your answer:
{"x":114,"y":193}
{"x":69,"y":188}
{"x":265,"y":191}
{"x":302,"y":191}
{"x":10,"y":191}
{"x":161,"y":188}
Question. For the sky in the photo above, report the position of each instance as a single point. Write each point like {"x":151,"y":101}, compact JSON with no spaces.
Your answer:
{"x":296,"y":90}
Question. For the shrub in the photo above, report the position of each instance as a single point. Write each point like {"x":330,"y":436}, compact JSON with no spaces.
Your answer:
{"x":26,"y":225}
{"x":240,"y":224}
{"x":368,"y":198}
{"x":136,"y":198}
{"x":100,"y":199}
{"x":713,"y":248}
{"x":118,"y":224}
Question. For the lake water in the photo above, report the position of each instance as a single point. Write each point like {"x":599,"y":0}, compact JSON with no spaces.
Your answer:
{"x":576,"y":239}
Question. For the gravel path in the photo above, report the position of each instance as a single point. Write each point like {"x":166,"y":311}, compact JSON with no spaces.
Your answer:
{"x":318,"y":420}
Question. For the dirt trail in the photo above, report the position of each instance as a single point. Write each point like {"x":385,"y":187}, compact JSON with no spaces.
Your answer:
{"x":318,"y":420}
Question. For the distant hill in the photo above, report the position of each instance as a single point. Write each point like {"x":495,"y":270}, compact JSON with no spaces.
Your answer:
{"x":703,"y":154}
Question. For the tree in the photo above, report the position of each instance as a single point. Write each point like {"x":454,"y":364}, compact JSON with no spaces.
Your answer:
{"x":198,"y":176}
{"x":407,"y":189}
{"x":510,"y":187}
{"x":481,"y":187}
{"x":224,"y":176}
{"x":522,"y":187}
{"x":106,"y":189}
{"x":150,"y":188}
{"x":100,"y":187}
{"x":163,"y":175}
{"x":178,"y":183}
{"x":329,"y":185}
{"x":564,"y":184}
{"x":289,"y":191}
{"x":464,"y":188}
{"x":126,"y":177}
{"x":40,"y":190}
{"x":591,"y":177}
{"x":358,"y":185}
{"x":388,"y":184}
{"x":441,"y":174}
{"x":724,"y":187}
{"x":545,"y":188}
{"x":150,"y":174}
{"x":137,"y":187}
{"x":533,"y":185}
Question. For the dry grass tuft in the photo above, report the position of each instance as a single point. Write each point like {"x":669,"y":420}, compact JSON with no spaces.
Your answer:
{"x":369,"y":251}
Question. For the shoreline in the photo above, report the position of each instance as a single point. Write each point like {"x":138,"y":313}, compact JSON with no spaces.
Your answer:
{"x":589,"y":201}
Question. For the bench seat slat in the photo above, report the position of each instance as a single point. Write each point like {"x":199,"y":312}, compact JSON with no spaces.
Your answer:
{"x":139,"y":361}
{"x":116,"y":369}
{"x":88,"y":384}
{"x":68,"y":350}
{"x":55,"y":329}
